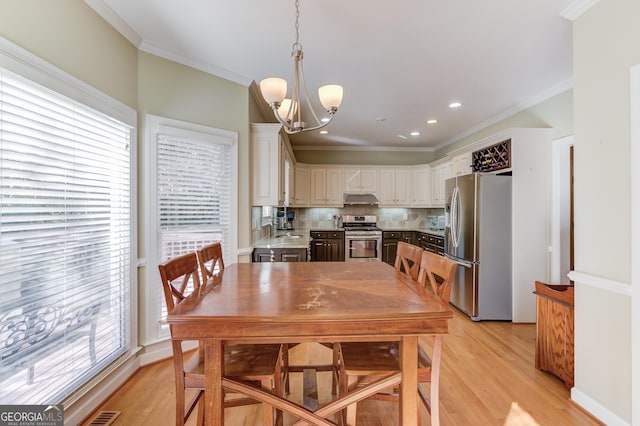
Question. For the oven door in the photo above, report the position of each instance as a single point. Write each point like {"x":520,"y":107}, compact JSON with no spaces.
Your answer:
{"x":363,"y":248}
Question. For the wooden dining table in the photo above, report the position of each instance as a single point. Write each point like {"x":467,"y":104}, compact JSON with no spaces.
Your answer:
{"x":287,"y":302}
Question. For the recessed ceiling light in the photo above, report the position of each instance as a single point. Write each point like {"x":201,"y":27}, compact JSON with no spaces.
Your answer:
{"x":324,"y":119}
{"x":455,"y":104}
{"x":324,"y":132}
{"x":432,"y":121}
{"x":415,"y":133}
{"x":402,"y":136}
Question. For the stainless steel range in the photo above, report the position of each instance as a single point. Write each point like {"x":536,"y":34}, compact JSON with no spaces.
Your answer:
{"x":362,"y":239}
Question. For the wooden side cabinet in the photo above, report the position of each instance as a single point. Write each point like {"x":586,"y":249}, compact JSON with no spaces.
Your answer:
{"x":554,"y":330}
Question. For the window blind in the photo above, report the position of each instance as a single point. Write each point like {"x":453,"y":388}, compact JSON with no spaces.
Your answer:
{"x":65,"y":238}
{"x":193,"y":195}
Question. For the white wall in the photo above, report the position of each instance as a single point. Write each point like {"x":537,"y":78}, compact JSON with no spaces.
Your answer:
{"x":605,"y":47}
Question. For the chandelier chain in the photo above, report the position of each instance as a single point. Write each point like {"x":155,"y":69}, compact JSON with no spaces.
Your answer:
{"x":297,"y":45}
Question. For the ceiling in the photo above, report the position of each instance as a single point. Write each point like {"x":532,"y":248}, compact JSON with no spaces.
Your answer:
{"x":400,"y":63}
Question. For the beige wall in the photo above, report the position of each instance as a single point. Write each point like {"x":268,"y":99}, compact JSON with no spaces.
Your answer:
{"x":175,"y":91}
{"x":363,"y":157}
{"x":68,"y":34}
{"x":605,"y":47}
{"x":71,"y":36}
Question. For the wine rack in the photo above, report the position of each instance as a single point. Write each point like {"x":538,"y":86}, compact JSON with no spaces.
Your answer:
{"x":494,"y":157}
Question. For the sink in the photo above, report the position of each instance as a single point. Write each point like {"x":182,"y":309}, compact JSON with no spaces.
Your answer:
{"x":289,"y":236}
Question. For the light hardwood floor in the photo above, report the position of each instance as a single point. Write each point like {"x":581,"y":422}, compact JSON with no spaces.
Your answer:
{"x":485,"y":366}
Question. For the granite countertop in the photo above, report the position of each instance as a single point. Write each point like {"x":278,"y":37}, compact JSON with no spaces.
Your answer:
{"x":439,"y":232}
{"x":288,"y":239}
{"x":300,"y":238}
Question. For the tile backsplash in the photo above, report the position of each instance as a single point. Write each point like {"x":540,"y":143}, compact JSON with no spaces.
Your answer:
{"x":322,"y":218}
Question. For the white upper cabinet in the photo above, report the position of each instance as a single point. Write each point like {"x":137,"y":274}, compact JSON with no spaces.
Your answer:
{"x":439,"y":174}
{"x":271,"y":165}
{"x":421,"y":186}
{"x":326,"y":186}
{"x":363,"y":179}
{"x":461,"y":164}
{"x":301,"y":187}
{"x":395,"y":187}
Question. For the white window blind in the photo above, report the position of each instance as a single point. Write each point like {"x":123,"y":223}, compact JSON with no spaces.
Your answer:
{"x":193,"y":194}
{"x":65,"y":239}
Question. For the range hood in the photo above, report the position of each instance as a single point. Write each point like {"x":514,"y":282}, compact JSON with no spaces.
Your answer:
{"x":360,"y":198}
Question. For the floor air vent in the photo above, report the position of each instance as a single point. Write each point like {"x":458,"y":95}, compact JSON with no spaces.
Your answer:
{"x":104,"y":418}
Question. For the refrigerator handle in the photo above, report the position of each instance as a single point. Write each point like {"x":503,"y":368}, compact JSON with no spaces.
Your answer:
{"x":460,"y":262}
{"x":455,"y":219}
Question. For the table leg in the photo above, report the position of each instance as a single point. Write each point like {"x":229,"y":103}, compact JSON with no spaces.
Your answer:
{"x":213,"y":372}
{"x":409,"y":385}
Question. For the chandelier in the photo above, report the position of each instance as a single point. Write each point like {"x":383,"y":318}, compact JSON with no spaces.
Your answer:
{"x":288,"y":111}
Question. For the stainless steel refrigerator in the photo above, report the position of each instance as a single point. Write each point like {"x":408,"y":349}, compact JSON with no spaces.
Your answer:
{"x":478,"y":238}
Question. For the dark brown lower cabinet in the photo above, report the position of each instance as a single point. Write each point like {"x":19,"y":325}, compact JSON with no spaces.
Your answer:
{"x":554,"y":330}
{"x":327,"y":246}
{"x":280,"y":255}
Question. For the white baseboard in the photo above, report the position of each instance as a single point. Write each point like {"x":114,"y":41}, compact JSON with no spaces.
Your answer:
{"x":99,"y":390}
{"x":157,"y":351}
{"x":597,"y":410}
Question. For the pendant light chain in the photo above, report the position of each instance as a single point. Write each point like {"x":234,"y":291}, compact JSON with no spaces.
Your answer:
{"x":274,"y":91}
{"x":297,"y":45}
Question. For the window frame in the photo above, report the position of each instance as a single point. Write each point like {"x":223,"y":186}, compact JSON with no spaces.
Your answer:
{"x":156,"y":331}
{"x":22,"y":62}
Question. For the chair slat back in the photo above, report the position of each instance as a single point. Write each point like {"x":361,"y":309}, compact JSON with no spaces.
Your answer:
{"x":210,"y":260}
{"x":408,"y":259}
{"x":439,"y":272}
{"x":176,"y":275}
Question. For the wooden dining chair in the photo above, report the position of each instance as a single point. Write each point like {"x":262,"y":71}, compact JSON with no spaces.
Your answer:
{"x":408,"y":259}
{"x":250,"y":363}
{"x":362,"y":362}
{"x":210,"y":260}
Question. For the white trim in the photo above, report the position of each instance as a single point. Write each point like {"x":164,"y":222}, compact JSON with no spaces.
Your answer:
{"x":577,"y":8}
{"x":152,"y":126}
{"x":161,"y":350}
{"x":539,"y":98}
{"x":559,"y":152}
{"x":245,"y":251}
{"x":634,"y":159}
{"x":600,"y":283}
{"x":99,"y":389}
{"x":22,"y":62}
{"x":149,"y":47}
{"x":113,"y":19}
{"x":596,"y":409}
{"x":360,"y":148}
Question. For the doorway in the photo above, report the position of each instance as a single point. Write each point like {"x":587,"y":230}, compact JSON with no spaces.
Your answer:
{"x":561,"y":238}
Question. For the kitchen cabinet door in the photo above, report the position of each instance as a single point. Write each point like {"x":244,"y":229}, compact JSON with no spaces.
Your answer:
{"x":271,"y":161}
{"x":395,"y":187}
{"x":421,"y":186}
{"x":301,"y":187}
{"x":361,"y":179}
{"x":327,"y":187}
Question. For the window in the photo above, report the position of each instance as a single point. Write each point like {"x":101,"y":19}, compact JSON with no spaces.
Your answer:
{"x":193,"y":188}
{"x":65,"y":241}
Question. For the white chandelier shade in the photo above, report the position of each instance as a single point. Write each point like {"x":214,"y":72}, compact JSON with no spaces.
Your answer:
{"x":288,"y":111}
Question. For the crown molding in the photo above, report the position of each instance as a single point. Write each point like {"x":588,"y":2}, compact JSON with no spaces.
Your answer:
{"x":360,"y":148}
{"x":151,"y":48}
{"x":256,"y":95}
{"x":120,"y":25}
{"x":577,"y":8}
{"x":541,"y":97}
